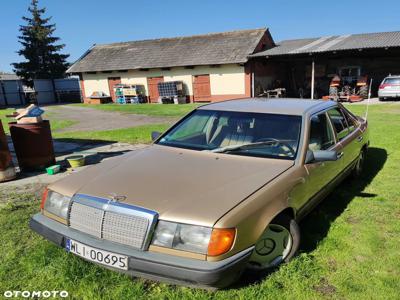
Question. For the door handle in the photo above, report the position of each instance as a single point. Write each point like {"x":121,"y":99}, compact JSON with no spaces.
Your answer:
{"x":360,"y":138}
{"x":340,"y":155}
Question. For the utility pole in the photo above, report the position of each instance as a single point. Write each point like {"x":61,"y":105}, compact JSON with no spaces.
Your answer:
{"x":312,"y":78}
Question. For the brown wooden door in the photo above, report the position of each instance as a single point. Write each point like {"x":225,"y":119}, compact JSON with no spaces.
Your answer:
{"x":112,"y":81}
{"x":201,"y":88}
{"x":152,"y":85}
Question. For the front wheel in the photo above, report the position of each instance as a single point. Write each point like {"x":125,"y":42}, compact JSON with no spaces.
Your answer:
{"x":278,"y":244}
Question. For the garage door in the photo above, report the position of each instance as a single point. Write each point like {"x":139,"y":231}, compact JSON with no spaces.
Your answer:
{"x":201,"y":88}
{"x":152,"y":83}
{"x":112,"y":81}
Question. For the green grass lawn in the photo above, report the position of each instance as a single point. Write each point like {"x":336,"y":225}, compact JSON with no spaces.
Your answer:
{"x":55,"y":124}
{"x":146,"y":109}
{"x":4,"y":119}
{"x":133,"y":135}
{"x":138,"y":134}
{"x":350,"y":246}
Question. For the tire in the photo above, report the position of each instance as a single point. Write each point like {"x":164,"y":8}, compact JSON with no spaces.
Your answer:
{"x":266,"y":248}
{"x":333,"y":91}
{"x":364,"y":91}
{"x":359,"y":166}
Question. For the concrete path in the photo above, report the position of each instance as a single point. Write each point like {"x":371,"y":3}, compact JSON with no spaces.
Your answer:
{"x":90,"y":119}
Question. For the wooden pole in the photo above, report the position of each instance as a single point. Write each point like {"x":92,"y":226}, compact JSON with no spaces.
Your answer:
{"x":312,"y":78}
{"x":252,"y":85}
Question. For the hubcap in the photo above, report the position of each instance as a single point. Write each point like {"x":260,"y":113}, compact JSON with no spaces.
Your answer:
{"x":272,"y":247}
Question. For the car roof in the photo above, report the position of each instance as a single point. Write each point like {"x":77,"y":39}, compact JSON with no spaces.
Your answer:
{"x":273,"y":106}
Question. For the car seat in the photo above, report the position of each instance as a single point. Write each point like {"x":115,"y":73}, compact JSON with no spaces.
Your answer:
{"x":236,"y":132}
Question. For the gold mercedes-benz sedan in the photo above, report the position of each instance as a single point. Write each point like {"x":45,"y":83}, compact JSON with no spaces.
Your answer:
{"x":222,"y":190}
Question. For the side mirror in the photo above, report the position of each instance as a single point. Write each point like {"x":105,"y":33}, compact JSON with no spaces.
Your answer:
{"x":155,"y":135}
{"x":321,"y":156}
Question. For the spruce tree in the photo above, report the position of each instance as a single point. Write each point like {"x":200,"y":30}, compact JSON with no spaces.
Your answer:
{"x":39,"y":48}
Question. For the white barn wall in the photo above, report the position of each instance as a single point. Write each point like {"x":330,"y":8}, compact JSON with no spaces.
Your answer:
{"x":96,"y":82}
{"x":227,"y":79}
{"x":224,"y":80}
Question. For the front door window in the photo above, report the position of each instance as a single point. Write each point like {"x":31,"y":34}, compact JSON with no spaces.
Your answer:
{"x":321,"y":135}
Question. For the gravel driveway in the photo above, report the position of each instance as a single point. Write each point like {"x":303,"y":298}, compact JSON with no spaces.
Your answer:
{"x":90,"y":119}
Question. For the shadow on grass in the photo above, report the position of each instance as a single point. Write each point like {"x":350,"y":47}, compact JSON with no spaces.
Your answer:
{"x":72,"y":145}
{"x":315,"y":226}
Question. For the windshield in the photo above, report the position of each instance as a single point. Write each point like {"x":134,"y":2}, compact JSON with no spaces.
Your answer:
{"x":239,"y":133}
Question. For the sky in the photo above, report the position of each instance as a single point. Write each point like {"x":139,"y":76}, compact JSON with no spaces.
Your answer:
{"x":80,"y":24}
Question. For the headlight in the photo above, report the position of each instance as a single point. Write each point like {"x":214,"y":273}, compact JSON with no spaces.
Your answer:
{"x":164,"y":234}
{"x":192,"y":238}
{"x":183,"y":237}
{"x":57,"y":204}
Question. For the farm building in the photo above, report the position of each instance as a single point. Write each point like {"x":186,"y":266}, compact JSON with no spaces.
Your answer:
{"x":11,"y":89}
{"x":211,"y":67}
{"x":14,"y":92}
{"x":296,"y":65}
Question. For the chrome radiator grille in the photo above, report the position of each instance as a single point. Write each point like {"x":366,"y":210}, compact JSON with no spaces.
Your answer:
{"x":124,"y":229}
{"x":116,"y":222}
{"x":85,"y":218}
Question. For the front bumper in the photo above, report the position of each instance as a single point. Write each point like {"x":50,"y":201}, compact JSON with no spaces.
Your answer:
{"x":150,"y":265}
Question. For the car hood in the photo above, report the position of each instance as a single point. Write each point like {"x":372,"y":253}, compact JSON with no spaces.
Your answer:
{"x":182,"y":185}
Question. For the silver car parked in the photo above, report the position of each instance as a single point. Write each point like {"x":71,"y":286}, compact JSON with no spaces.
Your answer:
{"x":389,"y":88}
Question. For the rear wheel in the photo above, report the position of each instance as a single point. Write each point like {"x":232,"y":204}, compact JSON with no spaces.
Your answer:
{"x":278,"y":243}
{"x":358,"y":168}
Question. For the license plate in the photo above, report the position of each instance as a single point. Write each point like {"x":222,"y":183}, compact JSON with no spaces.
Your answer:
{"x":96,"y":255}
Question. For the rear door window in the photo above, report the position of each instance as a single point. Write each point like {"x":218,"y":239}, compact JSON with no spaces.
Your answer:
{"x":339,"y":123}
{"x":352,"y":123}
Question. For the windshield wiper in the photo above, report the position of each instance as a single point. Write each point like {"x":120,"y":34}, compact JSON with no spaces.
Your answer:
{"x":247,"y":146}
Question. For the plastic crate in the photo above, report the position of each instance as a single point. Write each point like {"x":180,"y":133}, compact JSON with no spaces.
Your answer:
{"x":170,"y":88}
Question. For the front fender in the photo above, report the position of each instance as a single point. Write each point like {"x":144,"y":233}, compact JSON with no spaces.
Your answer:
{"x":253,"y":215}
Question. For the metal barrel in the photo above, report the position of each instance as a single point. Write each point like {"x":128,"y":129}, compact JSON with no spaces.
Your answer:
{"x":7,"y":170}
{"x":33,"y":145}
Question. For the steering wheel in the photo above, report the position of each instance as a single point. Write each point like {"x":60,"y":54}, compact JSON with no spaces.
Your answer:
{"x":286,"y":147}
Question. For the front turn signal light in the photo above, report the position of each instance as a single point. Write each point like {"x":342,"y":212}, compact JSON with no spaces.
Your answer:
{"x":221,"y":241}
